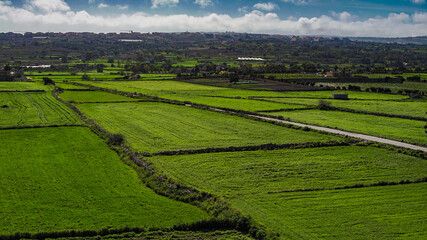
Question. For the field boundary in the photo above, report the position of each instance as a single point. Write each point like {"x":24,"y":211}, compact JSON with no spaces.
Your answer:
{"x":22,"y":91}
{"x":285,"y":110}
{"x":268,"y":146}
{"x":261,"y":98}
{"x":110,"y":102}
{"x":204,"y":225}
{"x":40,"y":126}
{"x":357,"y":185}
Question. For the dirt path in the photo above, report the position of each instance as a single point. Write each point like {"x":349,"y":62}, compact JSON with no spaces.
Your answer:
{"x":350,"y":134}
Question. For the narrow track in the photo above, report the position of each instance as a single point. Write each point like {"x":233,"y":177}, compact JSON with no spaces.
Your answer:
{"x":350,"y":134}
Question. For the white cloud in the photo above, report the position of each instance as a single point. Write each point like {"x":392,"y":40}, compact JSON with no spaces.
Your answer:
{"x":47,"y":5}
{"x":163,"y":3}
{"x":266,"y":6}
{"x":420,"y":17}
{"x":122,"y":7}
{"x":418,"y":1}
{"x":297,"y":2}
{"x":204,"y":3}
{"x":344,"y":16}
{"x":244,"y":9}
{"x":91,"y":1}
{"x":341,"y":24}
{"x":103,"y":5}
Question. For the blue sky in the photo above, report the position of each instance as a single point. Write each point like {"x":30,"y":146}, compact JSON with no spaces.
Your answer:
{"x":290,"y":17}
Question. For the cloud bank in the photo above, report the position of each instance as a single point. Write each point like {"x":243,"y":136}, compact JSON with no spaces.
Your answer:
{"x":43,"y":17}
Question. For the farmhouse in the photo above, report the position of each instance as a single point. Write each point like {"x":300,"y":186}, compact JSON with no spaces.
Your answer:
{"x":342,"y":96}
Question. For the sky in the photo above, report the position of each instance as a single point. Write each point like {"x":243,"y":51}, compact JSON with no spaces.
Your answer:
{"x":357,"y":18}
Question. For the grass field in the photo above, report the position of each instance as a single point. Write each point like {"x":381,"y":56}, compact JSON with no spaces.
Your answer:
{"x":109,"y":74}
{"x":390,"y":212}
{"x":351,"y":95}
{"x":287,"y":170}
{"x":67,"y":178}
{"x":168,"y":88}
{"x":237,"y":104}
{"x":393,"y":128}
{"x":298,"y":215}
{"x":34,"y":109}
{"x":184,"y":235}
{"x":93,"y":96}
{"x":423,"y":76}
{"x":394,"y":87}
{"x":407,"y":108}
{"x":157,"y":76}
{"x":294,"y":76}
{"x":22,"y":86}
{"x":154,"y":127}
{"x":67,"y":86}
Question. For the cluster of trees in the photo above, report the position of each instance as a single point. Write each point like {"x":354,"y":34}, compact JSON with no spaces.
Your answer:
{"x":378,"y":90}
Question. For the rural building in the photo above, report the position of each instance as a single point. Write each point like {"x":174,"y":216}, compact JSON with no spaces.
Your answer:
{"x":342,"y":96}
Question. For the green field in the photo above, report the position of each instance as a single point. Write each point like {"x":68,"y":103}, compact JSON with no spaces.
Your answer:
{"x":67,"y":86}
{"x":153,"y":127}
{"x":184,"y":235}
{"x":34,"y":109}
{"x":93,"y":96}
{"x":287,"y":170}
{"x":294,"y":76}
{"x":236,"y":104}
{"x":22,"y":86}
{"x":157,"y":76}
{"x":351,"y":95}
{"x":172,"y":88}
{"x":390,"y":212}
{"x":67,"y":178}
{"x":394,"y":87}
{"x":407,"y":108}
{"x":423,"y":76}
{"x":262,"y":175}
{"x":392,"y":128}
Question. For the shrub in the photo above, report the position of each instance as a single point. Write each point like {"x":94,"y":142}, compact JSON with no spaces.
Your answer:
{"x":85,"y":77}
{"x":323,"y":105}
{"x":116,"y":139}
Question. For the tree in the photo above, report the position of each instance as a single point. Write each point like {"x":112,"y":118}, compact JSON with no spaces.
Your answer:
{"x":100,"y":68}
{"x":234,"y":78}
{"x":85,"y":77}
{"x":7,"y":68}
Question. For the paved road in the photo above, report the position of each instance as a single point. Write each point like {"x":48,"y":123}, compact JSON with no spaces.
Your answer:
{"x":356,"y":135}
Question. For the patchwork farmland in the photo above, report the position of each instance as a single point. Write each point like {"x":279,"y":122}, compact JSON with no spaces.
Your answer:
{"x":178,"y":140}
